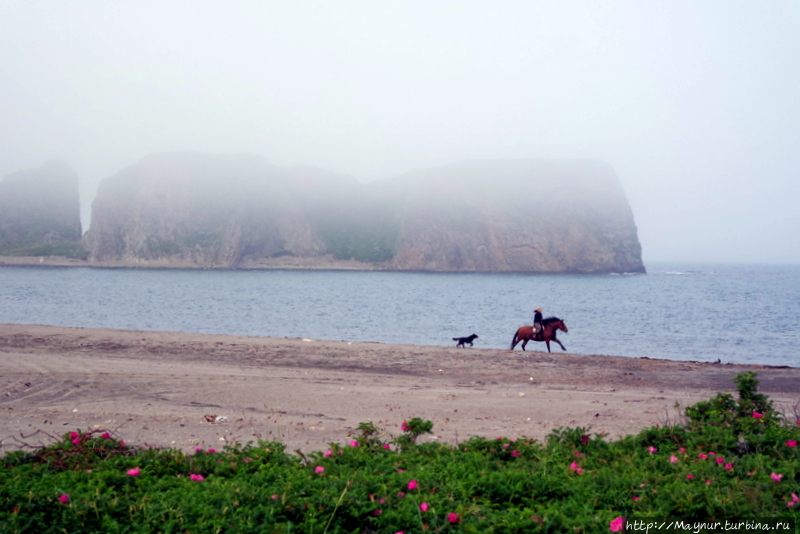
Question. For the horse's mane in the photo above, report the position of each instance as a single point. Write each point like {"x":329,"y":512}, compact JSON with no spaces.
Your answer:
{"x":550,"y":320}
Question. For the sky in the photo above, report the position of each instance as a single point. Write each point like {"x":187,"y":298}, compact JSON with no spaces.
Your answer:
{"x":695,"y":104}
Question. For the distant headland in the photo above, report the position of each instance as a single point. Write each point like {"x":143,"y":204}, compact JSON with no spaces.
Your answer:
{"x":192,"y":210}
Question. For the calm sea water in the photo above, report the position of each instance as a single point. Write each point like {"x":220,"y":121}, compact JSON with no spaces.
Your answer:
{"x":738,"y":314}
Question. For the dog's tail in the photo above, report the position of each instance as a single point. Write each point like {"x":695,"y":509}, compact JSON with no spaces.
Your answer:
{"x":455,"y":339}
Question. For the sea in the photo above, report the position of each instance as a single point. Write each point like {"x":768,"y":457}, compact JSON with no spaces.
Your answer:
{"x":702,"y":312}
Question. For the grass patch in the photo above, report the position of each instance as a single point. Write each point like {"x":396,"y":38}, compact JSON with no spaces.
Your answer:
{"x":730,"y":460}
{"x":67,"y":249}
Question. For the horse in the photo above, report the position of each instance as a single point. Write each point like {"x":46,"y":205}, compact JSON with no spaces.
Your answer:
{"x":549,"y":328}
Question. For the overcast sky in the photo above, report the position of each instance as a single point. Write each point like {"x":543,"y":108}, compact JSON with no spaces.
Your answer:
{"x":695,"y":104}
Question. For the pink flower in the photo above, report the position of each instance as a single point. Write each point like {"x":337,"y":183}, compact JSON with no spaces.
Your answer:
{"x":412,"y":485}
{"x":776,"y":477}
{"x":708,"y":482}
{"x":377,"y":512}
{"x":387,"y":446}
{"x":105,"y":435}
{"x":64,"y":498}
{"x":617,"y":524}
{"x":198,"y":448}
{"x":327,"y":453}
{"x":795,"y":500}
{"x":636,"y":497}
{"x":673,"y":459}
{"x":75,"y":441}
{"x":354,"y":443}
{"x":122,"y":443}
{"x":682,"y":450}
{"x":791,"y":443}
{"x":720,"y":460}
{"x":757,"y":415}
{"x":401,"y":470}
{"x":729,"y":466}
{"x":133,"y":472}
{"x":689,"y":476}
{"x":574,"y":466}
{"x":711,"y":453}
{"x":197,"y":478}
{"x":585,"y":440}
{"x":212,"y":451}
{"x":400,"y":494}
{"x":578,"y":454}
{"x":453,"y":518}
{"x":702,"y":456}
{"x":274,"y":497}
{"x":514,"y":453}
{"x":424,"y":507}
{"x":649,"y":449}
{"x":319,"y":469}
{"x":404,"y":426}
{"x":74,"y":434}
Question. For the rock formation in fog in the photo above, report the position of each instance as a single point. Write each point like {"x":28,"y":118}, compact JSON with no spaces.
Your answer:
{"x":40,"y":212}
{"x":542,"y":216}
{"x":198,"y":210}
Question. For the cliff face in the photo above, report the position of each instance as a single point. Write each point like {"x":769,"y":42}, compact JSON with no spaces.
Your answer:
{"x":518,"y":216}
{"x":40,"y":211}
{"x":239,"y":211}
{"x":202,"y":210}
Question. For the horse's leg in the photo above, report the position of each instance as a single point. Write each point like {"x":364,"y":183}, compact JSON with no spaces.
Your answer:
{"x":524,"y":342}
{"x":554,"y":338}
{"x":547,"y":342}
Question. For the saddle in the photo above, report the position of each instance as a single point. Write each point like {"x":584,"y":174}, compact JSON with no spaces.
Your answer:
{"x":539,"y":336}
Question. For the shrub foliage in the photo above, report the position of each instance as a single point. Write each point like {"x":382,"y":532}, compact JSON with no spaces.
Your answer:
{"x":733,"y":458}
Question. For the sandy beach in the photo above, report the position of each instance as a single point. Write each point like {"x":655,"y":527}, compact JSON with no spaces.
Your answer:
{"x":182,"y":390}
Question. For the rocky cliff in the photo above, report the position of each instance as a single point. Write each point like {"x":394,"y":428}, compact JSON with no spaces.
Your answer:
{"x":240,"y":211}
{"x":557,"y":216}
{"x":40,"y":212}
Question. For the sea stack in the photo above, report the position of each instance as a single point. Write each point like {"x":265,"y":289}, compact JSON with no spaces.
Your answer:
{"x":207,"y":211}
{"x":40,"y":211}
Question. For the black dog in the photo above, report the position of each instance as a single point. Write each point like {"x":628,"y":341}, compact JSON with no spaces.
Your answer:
{"x":468,"y":339}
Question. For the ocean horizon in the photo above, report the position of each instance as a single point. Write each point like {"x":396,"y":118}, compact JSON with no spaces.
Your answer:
{"x":731,"y":313}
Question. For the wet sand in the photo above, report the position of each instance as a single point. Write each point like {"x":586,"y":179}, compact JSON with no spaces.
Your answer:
{"x":157,"y":389}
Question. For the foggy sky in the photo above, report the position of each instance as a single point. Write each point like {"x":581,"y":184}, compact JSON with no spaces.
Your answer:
{"x":695,"y":104}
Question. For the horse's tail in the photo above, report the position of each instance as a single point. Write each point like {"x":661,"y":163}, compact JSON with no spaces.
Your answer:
{"x":515,"y":340}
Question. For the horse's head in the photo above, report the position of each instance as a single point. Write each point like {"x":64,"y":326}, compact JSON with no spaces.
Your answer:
{"x":555,"y":323}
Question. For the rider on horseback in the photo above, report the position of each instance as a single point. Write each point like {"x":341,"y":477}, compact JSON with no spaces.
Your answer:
{"x":537,"y":321}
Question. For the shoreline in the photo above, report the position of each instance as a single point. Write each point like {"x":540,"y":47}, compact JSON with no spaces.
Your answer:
{"x":156,"y":388}
{"x":310,"y":264}
{"x":285,"y":263}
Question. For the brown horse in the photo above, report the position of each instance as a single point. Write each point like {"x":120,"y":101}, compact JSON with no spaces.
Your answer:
{"x":549,"y":328}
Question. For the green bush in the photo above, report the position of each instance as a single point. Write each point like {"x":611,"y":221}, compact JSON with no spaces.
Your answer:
{"x":67,"y":249}
{"x":726,"y":462}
